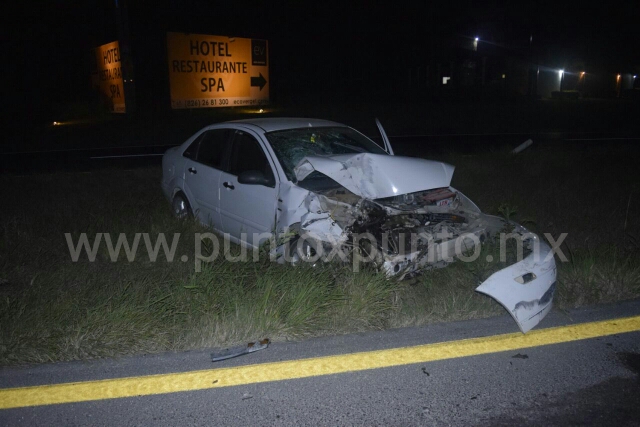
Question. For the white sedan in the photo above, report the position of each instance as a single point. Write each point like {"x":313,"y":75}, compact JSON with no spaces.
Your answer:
{"x":341,"y":195}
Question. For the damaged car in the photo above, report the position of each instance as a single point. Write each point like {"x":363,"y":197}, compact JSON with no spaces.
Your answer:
{"x":338,"y":195}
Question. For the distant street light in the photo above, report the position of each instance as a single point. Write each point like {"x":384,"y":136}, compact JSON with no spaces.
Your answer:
{"x":475,"y":43}
{"x":561,"y":75}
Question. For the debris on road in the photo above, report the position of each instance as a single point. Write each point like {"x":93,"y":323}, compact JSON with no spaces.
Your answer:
{"x":239,"y":351}
{"x":520,"y":356}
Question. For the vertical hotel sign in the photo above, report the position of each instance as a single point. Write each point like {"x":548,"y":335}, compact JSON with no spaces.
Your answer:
{"x":109,"y":76}
{"x":217,"y":71}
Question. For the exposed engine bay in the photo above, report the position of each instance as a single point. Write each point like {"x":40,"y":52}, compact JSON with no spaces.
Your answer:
{"x":402,"y":227}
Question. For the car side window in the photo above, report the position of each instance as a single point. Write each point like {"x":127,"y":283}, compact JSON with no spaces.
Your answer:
{"x":246,"y":155}
{"x":212,"y":146}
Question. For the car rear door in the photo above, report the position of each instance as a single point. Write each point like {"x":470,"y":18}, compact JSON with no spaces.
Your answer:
{"x":202,"y":174}
{"x":247,"y":209}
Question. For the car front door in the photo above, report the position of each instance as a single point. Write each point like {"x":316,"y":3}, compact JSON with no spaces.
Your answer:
{"x":247,"y":208}
{"x":202,"y":174}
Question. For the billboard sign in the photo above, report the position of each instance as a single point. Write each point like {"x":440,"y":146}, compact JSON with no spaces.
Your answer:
{"x":217,"y":71}
{"x":108,"y":76}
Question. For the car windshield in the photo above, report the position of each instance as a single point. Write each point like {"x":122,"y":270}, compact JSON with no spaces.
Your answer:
{"x":292,"y":145}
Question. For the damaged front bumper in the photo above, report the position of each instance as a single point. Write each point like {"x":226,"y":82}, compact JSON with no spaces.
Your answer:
{"x":526,"y":288}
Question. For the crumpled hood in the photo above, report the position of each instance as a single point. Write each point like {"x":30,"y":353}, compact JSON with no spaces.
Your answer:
{"x":375,"y":176}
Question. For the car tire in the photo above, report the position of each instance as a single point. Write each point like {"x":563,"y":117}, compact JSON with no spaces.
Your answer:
{"x":306,"y":253}
{"x":181,"y":207}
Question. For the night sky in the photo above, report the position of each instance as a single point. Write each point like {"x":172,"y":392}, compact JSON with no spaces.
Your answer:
{"x":311,"y":44}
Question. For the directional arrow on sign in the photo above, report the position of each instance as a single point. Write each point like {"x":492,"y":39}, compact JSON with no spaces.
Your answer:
{"x":258,"y":81}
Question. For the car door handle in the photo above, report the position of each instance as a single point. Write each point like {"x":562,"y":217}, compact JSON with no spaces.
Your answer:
{"x":192,"y":170}
{"x":228,"y":185}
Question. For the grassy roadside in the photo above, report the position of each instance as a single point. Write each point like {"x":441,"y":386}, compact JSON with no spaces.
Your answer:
{"x":53,"y":309}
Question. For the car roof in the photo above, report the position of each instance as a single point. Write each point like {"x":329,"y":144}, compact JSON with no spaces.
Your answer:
{"x":270,"y":124}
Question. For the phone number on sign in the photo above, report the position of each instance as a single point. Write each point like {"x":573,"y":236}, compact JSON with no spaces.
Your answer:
{"x":191,"y":103}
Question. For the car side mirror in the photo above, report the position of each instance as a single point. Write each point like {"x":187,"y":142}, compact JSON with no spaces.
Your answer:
{"x":253,"y":177}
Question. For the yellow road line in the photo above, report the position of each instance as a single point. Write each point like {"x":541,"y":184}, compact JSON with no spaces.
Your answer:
{"x":278,"y":371}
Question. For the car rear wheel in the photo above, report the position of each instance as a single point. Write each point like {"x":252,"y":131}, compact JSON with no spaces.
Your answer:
{"x":181,"y":207}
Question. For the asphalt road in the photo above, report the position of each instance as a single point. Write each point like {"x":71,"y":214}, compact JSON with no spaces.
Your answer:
{"x":587,"y":382}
